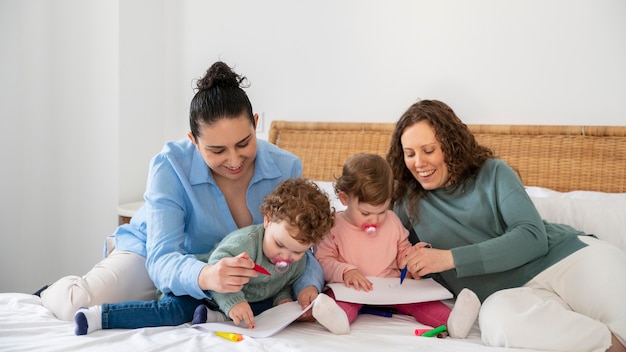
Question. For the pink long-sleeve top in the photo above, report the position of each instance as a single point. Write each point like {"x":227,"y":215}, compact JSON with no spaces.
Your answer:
{"x":348,"y":247}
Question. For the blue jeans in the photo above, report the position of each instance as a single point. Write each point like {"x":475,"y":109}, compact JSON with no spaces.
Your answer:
{"x":168,"y":311}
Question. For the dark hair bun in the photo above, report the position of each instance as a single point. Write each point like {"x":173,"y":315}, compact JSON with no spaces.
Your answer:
{"x":219,"y":75}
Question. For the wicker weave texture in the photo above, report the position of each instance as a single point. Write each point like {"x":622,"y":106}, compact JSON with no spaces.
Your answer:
{"x":562,"y":158}
{"x":564,"y":163}
{"x":323,"y":152}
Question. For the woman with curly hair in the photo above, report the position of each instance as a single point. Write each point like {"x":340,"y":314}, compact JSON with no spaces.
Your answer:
{"x":543,"y":285}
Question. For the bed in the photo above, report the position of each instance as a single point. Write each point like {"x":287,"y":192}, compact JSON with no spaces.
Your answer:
{"x":574,"y":175}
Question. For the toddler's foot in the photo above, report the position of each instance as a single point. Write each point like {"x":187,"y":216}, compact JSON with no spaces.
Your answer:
{"x":203,"y":314}
{"x":463,"y":314}
{"x":330,"y":315}
{"x":88,"y":320}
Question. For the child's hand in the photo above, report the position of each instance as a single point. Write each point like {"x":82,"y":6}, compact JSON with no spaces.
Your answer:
{"x":242,"y":312}
{"x":355,"y":278}
{"x":305,"y":297}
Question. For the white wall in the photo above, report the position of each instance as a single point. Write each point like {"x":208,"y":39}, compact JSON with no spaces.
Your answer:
{"x":142,"y":91}
{"x":59,"y":137}
{"x":90,"y":90}
{"x":533,"y":62}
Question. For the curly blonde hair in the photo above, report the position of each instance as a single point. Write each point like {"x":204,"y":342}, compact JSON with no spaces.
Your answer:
{"x":304,"y":206}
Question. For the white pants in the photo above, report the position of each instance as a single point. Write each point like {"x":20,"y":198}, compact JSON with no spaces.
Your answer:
{"x":120,"y":277}
{"x":573,"y":305}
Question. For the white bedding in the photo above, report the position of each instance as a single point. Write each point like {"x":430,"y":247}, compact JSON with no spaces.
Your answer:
{"x":25,"y":325}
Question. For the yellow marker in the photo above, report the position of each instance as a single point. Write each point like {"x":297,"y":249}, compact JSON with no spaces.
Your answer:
{"x":234,"y":337}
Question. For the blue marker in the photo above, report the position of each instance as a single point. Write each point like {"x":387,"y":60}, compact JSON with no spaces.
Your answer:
{"x":381,"y":313}
{"x":403,"y":274}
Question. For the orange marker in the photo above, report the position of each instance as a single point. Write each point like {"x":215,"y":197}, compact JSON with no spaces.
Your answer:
{"x":234,"y":337}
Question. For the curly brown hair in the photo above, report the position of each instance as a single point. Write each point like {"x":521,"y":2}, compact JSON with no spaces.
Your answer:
{"x":304,"y":206}
{"x":462,"y":153}
{"x":368,"y":177}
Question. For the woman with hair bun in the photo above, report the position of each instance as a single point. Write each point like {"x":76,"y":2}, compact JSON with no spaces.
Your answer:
{"x":199,"y":189}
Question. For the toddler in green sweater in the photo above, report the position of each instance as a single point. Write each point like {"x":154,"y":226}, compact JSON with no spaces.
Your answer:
{"x":297,"y":215}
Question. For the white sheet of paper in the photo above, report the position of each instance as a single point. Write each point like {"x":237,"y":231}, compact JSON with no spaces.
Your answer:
{"x":266,"y":324}
{"x":390,"y":291}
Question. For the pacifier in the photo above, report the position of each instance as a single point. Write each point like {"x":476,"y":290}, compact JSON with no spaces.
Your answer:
{"x":281,"y":264}
{"x":369,"y":228}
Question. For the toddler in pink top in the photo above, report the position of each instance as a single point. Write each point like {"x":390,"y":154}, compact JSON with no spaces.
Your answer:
{"x":368,"y":239}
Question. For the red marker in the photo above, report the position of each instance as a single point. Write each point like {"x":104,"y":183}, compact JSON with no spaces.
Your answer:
{"x":261,"y":269}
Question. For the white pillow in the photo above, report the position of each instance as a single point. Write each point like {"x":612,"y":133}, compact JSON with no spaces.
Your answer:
{"x":328,"y":187}
{"x":597,"y":213}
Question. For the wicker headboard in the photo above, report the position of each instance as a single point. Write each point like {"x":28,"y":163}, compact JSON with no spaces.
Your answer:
{"x":562,"y":158}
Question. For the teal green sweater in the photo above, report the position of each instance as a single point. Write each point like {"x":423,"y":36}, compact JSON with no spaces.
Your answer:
{"x":497,"y":238}
{"x":277,"y":286}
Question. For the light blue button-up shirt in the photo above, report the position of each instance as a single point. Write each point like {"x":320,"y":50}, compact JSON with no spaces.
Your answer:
{"x":185,"y":213}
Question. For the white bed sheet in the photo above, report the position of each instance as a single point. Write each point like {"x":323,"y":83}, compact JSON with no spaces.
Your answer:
{"x":25,"y":325}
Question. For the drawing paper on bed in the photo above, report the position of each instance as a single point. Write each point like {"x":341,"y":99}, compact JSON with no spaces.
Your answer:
{"x":390,"y":291}
{"x":386,"y":291}
{"x":266,"y":324}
